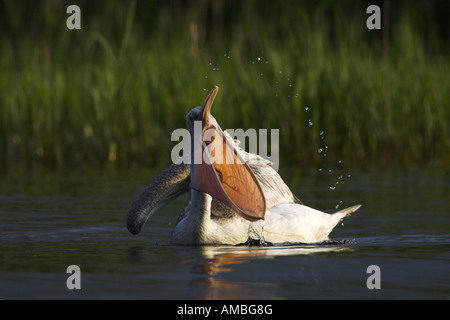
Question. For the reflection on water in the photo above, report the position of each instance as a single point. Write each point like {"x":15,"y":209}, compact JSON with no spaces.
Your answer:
{"x":215,"y":261}
{"x":49,"y":222}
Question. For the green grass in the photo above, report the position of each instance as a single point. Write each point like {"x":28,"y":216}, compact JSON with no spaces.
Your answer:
{"x":112,"y":93}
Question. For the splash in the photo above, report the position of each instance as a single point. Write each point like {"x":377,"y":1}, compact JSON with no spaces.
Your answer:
{"x":256,"y":235}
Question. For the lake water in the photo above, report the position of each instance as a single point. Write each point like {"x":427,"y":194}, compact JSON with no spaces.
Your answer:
{"x":51,"y":221}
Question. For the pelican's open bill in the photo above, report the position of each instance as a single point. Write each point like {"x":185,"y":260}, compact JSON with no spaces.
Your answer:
{"x":223,"y":174}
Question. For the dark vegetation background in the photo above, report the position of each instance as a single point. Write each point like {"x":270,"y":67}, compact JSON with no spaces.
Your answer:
{"x":110,"y":94}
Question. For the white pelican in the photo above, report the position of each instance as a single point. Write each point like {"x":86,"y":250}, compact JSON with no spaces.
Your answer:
{"x":233,"y":201}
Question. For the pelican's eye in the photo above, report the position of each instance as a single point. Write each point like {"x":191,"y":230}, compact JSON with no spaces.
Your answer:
{"x":194,"y":117}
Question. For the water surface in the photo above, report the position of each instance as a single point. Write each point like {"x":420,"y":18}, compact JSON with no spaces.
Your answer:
{"x":51,"y":221}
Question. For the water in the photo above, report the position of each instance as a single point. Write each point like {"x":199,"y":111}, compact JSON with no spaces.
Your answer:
{"x":51,"y":221}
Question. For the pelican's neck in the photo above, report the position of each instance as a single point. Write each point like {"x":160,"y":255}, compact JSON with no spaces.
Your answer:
{"x":195,"y":227}
{"x":200,"y":206}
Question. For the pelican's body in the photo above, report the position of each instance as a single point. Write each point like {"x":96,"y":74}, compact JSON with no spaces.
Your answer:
{"x":207,"y":221}
{"x":292,"y":223}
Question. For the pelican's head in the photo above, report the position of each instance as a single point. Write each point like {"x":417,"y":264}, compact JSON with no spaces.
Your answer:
{"x":194,"y":115}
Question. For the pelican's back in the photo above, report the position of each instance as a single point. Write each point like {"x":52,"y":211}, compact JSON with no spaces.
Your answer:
{"x":300,"y":223}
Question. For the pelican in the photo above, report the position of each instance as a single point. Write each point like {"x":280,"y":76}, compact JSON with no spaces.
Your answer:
{"x":230,"y":201}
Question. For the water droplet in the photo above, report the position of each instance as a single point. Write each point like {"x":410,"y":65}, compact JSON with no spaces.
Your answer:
{"x":320,"y":169}
{"x":332,"y":188}
{"x":337,"y":206}
{"x":321,"y":133}
{"x":349,"y":175}
{"x":310,"y":123}
{"x":320,"y":150}
{"x":259,"y":58}
{"x":296,"y":95}
{"x":306,"y":108}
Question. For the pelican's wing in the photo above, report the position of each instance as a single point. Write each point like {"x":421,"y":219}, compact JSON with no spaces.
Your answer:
{"x":224,"y":175}
{"x":168,"y":185}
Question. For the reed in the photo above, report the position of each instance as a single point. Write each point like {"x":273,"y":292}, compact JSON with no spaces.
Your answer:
{"x":112,"y":93}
